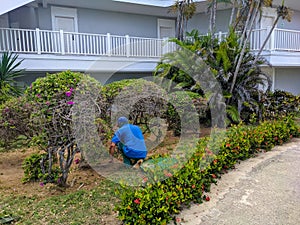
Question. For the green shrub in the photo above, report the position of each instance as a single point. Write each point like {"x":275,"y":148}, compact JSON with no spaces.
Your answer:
{"x":15,"y":120}
{"x":158,"y":203}
{"x":138,"y":99}
{"x":279,"y":103}
{"x":54,"y":97}
{"x":35,"y":169}
{"x":142,"y":100}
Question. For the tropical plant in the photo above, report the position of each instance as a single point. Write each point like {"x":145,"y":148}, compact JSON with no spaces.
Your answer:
{"x":185,"y":10}
{"x":8,"y":73}
{"x":53,"y":116}
{"x":219,"y":57}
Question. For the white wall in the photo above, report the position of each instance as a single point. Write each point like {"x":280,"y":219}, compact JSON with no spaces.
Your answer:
{"x":90,"y":21}
{"x":201,"y":21}
{"x":293,"y":25}
{"x":288,"y":79}
{"x":4,"y":20}
{"x":98,"y":21}
{"x":23,"y":17}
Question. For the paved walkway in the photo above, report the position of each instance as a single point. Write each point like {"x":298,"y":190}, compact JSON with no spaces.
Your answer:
{"x":261,"y":191}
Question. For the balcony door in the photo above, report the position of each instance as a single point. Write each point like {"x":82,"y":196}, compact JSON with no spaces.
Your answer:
{"x":66,"y":19}
{"x":165,"y":28}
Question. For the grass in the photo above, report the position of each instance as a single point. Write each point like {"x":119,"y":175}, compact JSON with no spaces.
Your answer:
{"x":80,"y":207}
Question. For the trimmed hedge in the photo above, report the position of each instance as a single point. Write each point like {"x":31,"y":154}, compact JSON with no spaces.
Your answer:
{"x":158,"y":203}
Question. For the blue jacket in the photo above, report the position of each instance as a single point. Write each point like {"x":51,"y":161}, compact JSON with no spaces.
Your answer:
{"x":132,"y":138}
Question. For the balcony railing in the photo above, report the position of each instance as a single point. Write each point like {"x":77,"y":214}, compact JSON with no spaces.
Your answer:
{"x":280,"y":39}
{"x":69,"y":43}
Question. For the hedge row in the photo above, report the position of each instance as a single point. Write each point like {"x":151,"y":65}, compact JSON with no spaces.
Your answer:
{"x":158,"y":203}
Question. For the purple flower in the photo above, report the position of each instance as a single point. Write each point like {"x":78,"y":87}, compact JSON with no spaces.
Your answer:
{"x":68,"y":93}
{"x":70,"y":102}
{"x":42,"y":184}
{"x":76,"y":161}
{"x":38,"y":95}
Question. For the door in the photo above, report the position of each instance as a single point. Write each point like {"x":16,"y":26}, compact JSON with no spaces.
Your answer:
{"x":65,"y":19}
{"x":165,"y":30}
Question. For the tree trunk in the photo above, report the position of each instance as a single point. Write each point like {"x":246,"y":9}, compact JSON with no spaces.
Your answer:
{"x":246,"y":24}
{"x":266,"y":40}
{"x":232,"y":13}
{"x":237,"y":68}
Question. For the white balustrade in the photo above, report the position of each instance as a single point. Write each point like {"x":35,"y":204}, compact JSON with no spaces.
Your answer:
{"x":70,"y":43}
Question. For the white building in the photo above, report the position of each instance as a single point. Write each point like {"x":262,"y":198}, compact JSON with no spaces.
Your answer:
{"x":125,"y":38}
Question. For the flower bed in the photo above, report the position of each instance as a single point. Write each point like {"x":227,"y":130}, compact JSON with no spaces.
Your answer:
{"x":159,"y":202}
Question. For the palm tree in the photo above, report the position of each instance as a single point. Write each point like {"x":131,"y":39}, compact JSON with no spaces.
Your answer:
{"x":8,"y":74}
{"x":185,"y":10}
{"x":255,"y":6}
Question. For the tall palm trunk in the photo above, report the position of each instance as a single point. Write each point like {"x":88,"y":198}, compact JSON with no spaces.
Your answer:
{"x":266,"y":40}
{"x":237,"y":68}
{"x":213,"y":11}
{"x":232,"y":13}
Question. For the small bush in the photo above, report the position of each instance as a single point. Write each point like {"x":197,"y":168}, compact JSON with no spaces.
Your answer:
{"x":159,"y":203}
{"x":34,"y":169}
{"x":15,"y":120}
{"x":279,"y":103}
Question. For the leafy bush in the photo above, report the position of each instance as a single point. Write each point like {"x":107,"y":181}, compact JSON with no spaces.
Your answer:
{"x":158,"y":203}
{"x":138,"y":99}
{"x":143,"y":100}
{"x":279,"y":103}
{"x":181,"y":101}
{"x":8,"y":73}
{"x":34,"y":171}
{"x":15,"y":120}
{"x":54,"y":96}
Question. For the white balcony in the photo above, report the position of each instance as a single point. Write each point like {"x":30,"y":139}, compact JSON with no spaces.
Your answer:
{"x":68,"y":43}
{"x":60,"y":50}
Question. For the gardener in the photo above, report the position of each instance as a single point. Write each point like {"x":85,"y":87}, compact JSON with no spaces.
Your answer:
{"x":130,"y":141}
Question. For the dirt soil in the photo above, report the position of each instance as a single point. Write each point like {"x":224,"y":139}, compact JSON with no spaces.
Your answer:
{"x":11,"y":174}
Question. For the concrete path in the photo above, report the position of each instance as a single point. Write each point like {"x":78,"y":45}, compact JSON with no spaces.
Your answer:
{"x":261,"y":191}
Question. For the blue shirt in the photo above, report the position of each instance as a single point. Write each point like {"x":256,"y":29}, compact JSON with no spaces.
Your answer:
{"x":132,"y":138}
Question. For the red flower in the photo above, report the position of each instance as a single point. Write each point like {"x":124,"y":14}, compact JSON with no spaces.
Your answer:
{"x":214,"y":176}
{"x":193,"y":186}
{"x":227,"y":145}
{"x":207,"y":198}
{"x":137,"y":201}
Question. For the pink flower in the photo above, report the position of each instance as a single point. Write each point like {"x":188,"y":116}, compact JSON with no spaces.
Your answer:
{"x":137,"y":201}
{"x":68,"y":93}
{"x":38,"y":95}
{"x":42,"y":184}
{"x":168,"y":174}
{"x":76,"y":161}
{"x":70,"y":102}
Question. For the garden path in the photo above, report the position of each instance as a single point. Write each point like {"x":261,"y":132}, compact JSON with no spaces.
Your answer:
{"x":261,"y":190}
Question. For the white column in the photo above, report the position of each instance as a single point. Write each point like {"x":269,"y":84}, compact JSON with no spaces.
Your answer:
{"x":108,"y":44}
{"x":38,"y":40}
{"x":127,"y":45}
{"x":62,"y":41}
